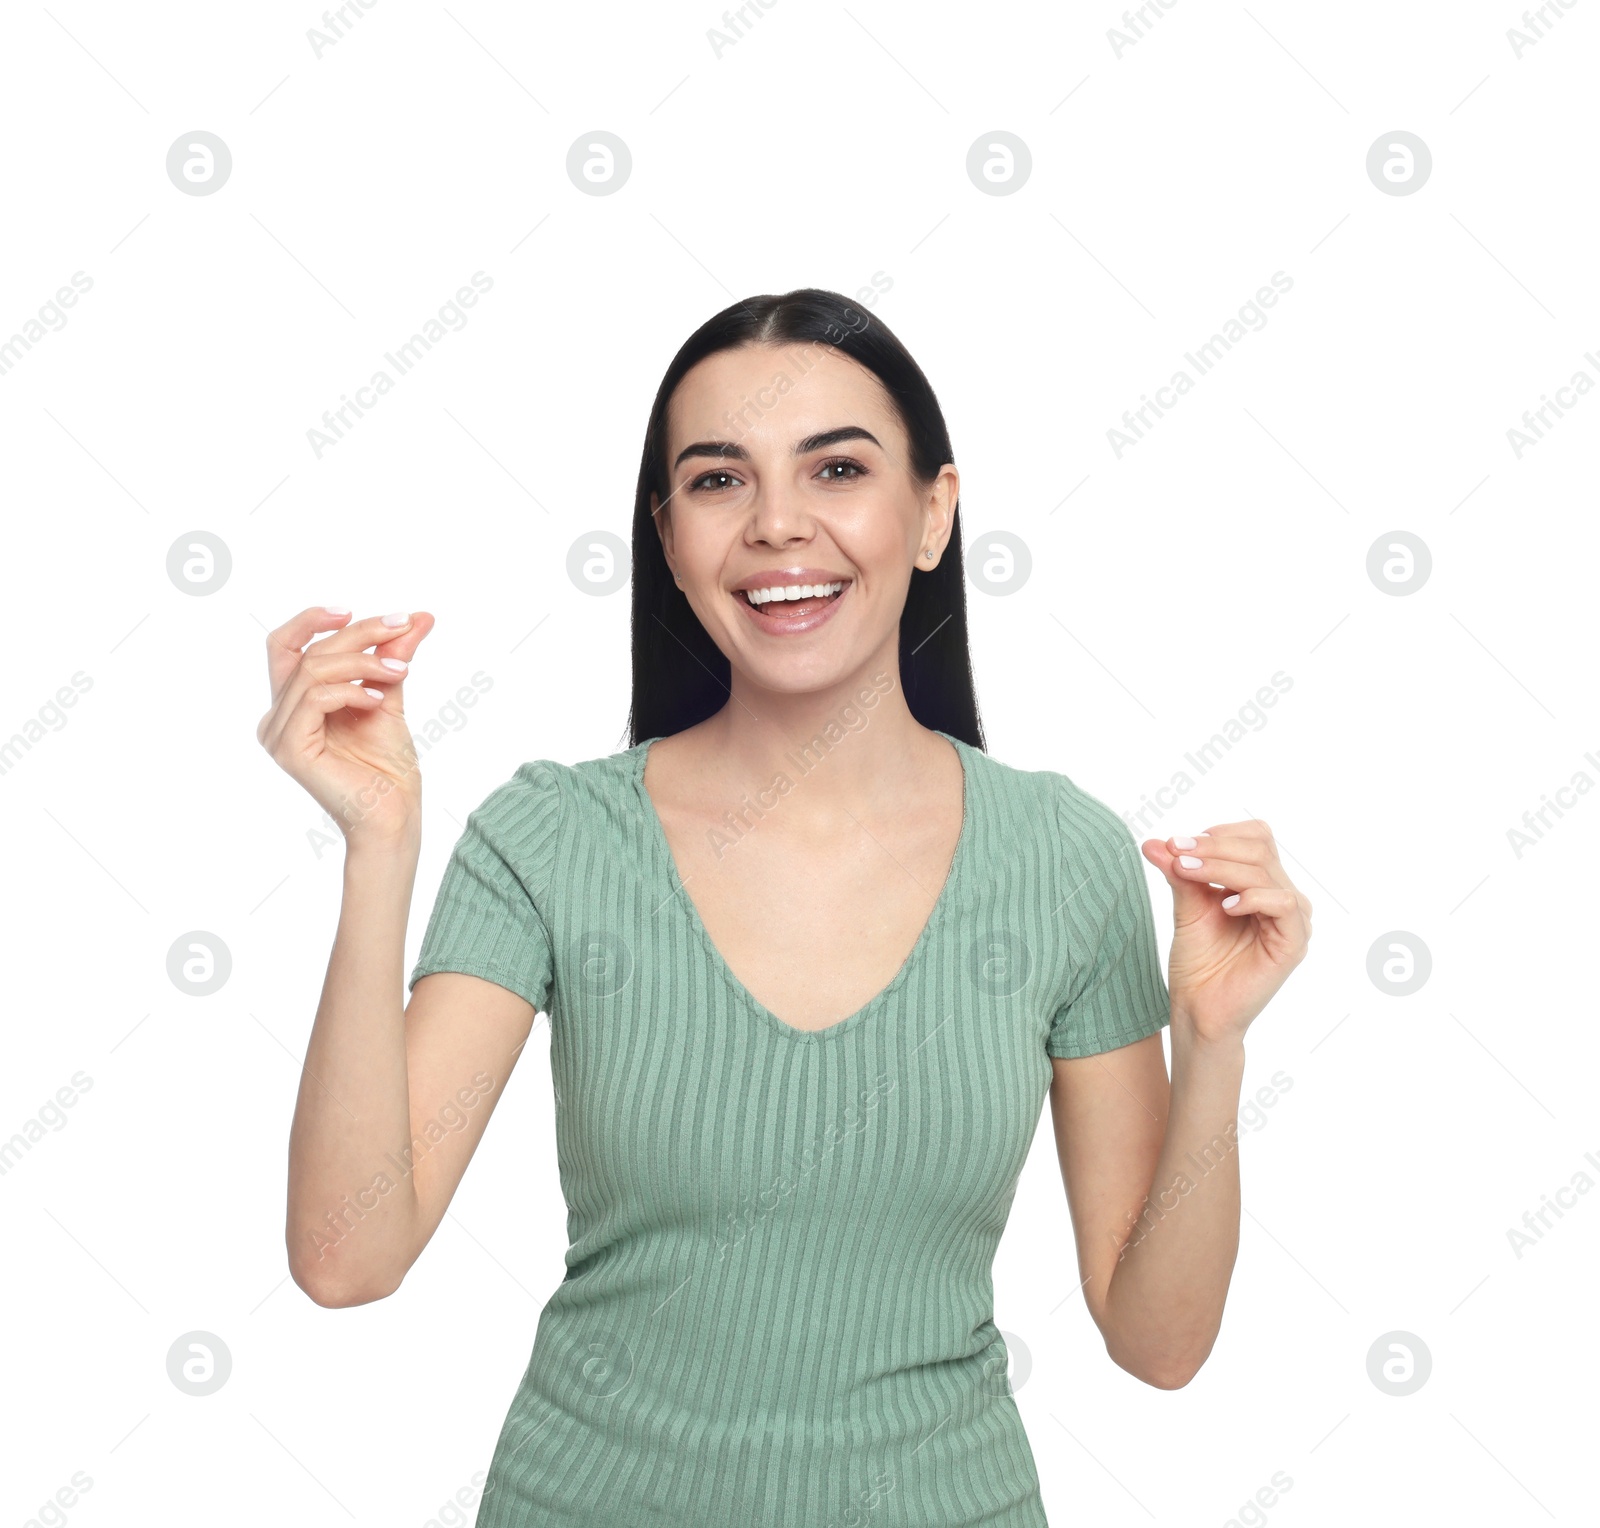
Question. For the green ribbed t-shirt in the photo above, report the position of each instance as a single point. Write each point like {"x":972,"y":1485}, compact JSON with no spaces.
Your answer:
{"x":778,"y":1306}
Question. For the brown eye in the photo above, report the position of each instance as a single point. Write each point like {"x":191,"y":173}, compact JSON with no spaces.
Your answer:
{"x":842,"y":462}
{"x":695,"y":485}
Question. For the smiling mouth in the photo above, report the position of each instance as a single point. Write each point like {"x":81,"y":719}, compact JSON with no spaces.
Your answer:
{"x":792,"y":607}
{"x":792,"y":599}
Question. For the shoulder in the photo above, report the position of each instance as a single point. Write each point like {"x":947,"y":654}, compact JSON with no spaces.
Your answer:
{"x":519,"y":818}
{"x":1087,"y":819}
{"x":1086,"y":848}
{"x":1055,"y":804}
{"x":546,"y":796}
{"x":535,"y":787}
{"x":547,"y":782}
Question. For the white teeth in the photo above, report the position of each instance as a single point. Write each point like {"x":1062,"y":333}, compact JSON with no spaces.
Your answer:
{"x":790,"y":592}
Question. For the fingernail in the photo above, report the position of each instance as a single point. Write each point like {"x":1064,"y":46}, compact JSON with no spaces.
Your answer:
{"x":375,"y":694}
{"x":337,"y":609}
{"x":1189,"y":862}
{"x":396,"y":664}
{"x":396,"y":620}
{"x":1181,"y":842}
{"x":1229,"y":901}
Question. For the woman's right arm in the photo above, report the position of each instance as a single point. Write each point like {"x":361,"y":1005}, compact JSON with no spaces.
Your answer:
{"x":379,"y":1074}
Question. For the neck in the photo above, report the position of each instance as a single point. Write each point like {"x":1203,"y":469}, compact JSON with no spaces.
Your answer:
{"x":845,"y":743}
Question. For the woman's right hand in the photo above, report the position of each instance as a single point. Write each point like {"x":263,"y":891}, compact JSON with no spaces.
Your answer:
{"x":349,"y":747}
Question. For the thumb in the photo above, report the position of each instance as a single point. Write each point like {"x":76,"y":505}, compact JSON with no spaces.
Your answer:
{"x":403,"y":647}
{"x":1190,"y":897}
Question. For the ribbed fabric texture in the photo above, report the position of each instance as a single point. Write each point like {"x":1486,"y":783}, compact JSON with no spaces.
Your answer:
{"x":778,"y":1307}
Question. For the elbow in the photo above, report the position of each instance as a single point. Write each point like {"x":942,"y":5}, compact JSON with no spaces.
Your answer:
{"x":334,"y":1295}
{"x":334,"y":1286}
{"x":1169,"y":1378}
{"x":1162,"y":1371}
{"x":336,"y":1267}
{"x":336,"y":1292}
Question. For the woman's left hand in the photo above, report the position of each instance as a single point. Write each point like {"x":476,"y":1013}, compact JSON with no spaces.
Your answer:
{"x":1227,"y":962}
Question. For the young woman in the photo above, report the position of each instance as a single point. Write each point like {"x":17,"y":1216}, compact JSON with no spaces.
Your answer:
{"x":812,"y":961}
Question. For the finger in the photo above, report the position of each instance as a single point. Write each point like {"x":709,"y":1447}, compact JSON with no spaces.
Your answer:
{"x":1236,"y":875}
{"x":1251,"y":827}
{"x":1217,"y":845}
{"x":1287,"y":928}
{"x":398,"y":642}
{"x":1269,"y":901}
{"x":316,"y":667}
{"x":1243,"y":851}
{"x":330,"y":668}
{"x":285,"y":643}
{"x":313,"y":665}
{"x":374,"y":629}
{"x":399,"y":650}
{"x":306,"y":716}
{"x":369,"y":632}
{"x":404,"y":645}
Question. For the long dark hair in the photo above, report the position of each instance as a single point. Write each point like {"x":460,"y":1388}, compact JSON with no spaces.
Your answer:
{"x":680,"y":676}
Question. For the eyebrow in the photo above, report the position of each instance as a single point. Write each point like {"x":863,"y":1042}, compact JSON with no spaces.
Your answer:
{"x":733,"y":450}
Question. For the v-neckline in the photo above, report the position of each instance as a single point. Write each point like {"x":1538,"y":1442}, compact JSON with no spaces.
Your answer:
{"x":730,"y":978}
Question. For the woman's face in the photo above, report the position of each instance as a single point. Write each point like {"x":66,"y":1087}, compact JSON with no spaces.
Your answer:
{"x":789,"y":469}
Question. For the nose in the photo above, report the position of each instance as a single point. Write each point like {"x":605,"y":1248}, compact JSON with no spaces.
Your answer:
{"x":778,"y":514}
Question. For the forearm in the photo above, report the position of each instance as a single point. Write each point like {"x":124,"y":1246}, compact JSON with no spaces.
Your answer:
{"x":352,"y":1208}
{"x":1164,"y":1302}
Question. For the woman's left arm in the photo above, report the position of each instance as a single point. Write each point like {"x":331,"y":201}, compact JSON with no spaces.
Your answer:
{"x":1151,"y":1168}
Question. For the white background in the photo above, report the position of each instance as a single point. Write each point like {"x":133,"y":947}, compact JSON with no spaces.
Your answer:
{"x":1169,"y":182}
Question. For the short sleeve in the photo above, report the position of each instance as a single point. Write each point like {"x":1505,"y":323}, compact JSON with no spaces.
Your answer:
{"x":1116,"y":993}
{"x":487,"y":919}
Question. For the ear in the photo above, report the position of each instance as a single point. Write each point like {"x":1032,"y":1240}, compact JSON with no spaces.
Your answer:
{"x":940,"y":510}
{"x":661,"y":518}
